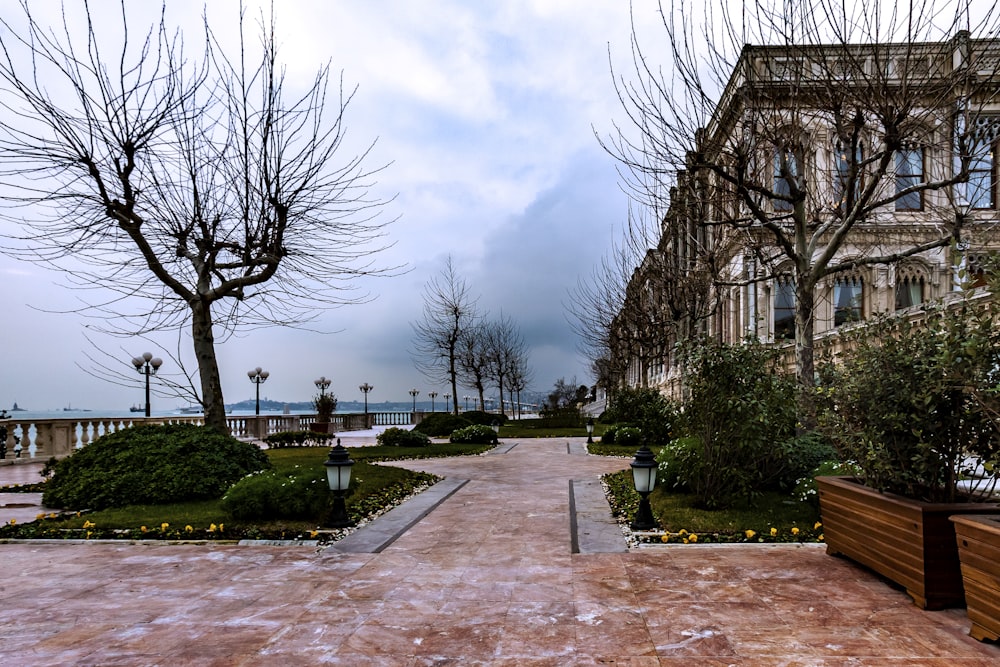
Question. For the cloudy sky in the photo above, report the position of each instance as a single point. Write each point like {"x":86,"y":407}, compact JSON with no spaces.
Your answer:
{"x":487,"y":113}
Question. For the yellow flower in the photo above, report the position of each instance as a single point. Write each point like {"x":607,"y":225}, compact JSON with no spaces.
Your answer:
{"x":693,"y":537}
{"x":88,"y":524}
{"x":39,"y":517}
{"x":188,"y":529}
{"x":682,"y":532}
{"x":87,"y":536}
{"x":795,"y":531}
{"x":164,"y":526}
{"x":774,"y":532}
{"x":142,"y":529}
{"x":222,"y":527}
{"x":820,"y":538}
{"x":12,"y":522}
{"x":313,"y":533}
{"x":685,"y":540}
{"x":750,"y":534}
{"x":212,"y":528}
{"x":817,"y":525}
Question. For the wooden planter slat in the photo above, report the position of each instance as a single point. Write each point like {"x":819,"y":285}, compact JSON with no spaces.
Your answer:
{"x":978,"y":541}
{"x":907,"y":541}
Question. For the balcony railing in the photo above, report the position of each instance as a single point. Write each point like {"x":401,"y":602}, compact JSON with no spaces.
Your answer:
{"x":44,"y":438}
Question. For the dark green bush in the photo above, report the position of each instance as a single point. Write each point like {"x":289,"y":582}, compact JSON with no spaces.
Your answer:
{"x":476,"y":434}
{"x":628,"y":436}
{"x":151,"y":465}
{"x":647,"y":409}
{"x":298,"y":439}
{"x":609,"y":435}
{"x":735,"y":431}
{"x":485,"y":418}
{"x":563,"y":417}
{"x":441,"y":424}
{"x":401,"y":437}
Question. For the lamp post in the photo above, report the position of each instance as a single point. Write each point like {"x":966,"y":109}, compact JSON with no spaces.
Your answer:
{"x":258,"y":377}
{"x":147,"y":365}
{"x":495,"y":426}
{"x":413,"y":393}
{"x":338,"y":476}
{"x":466,"y":403}
{"x":322,"y":384}
{"x":365,"y":388}
{"x":447,"y":402}
{"x":644,"y":478}
{"x":433,"y":395}
{"x":590,"y":431}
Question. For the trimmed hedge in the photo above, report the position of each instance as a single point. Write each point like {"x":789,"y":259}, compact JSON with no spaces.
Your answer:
{"x":298,"y":439}
{"x":441,"y":424}
{"x":401,"y":437}
{"x":151,"y":465}
{"x":476,"y":434}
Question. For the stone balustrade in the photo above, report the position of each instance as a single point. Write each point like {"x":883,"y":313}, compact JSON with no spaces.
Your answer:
{"x":45,"y":438}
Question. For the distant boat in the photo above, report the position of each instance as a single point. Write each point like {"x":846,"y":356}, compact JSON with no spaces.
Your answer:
{"x":17,"y":409}
{"x":191,"y":410}
{"x":137,"y":408}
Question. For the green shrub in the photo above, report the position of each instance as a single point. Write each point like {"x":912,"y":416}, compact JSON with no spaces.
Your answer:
{"x":441,"y":424}
{"x":151,"y":465}
{"x":301,"y":494}
{"x":628,"y":436}
{"x":736,"y":426}
{"x":476,"y":434}
{"x":646,"y":409}
{"x":609,"y":435}
{"x":563,"y":417}
{"x":298,"y":439}
{"x":485,"y":418}
{"x":401,"y":437}
{"x":805,"y":488}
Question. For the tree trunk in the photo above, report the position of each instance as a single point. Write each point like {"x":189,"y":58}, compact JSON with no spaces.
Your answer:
{"x":805,"y":367}
{"x":208,"y":367}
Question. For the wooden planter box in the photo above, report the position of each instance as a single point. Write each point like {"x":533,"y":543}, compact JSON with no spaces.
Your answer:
{"x":978,"y":539}
{"x":907,"y":541}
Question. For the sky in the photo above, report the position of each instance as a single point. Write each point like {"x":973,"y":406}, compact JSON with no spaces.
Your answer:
{"x":486,"y":114}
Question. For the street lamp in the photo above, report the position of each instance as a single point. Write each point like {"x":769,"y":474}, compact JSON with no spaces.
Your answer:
{"x":590,"y":431}
{"x":447,"y":403}
{"x":322,"y":384}
{"x":338,"y":476}
{"x":644,"y":478}
{"x":433,"y":395}
{"x":466,"y":403}
{"x":258,"y":377}
{"x":413,"y":393}
{"x":365,"y":388}
{"x":496,"y":426}
{"x":147,"y":365}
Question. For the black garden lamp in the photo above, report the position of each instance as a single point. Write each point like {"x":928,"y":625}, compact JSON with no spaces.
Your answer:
{"x":496,"y":426}
{"x":590,"y":431}
{"x":338,"y":476}
{"x":644,"y":478}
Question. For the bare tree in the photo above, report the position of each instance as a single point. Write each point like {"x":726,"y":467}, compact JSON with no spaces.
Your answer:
{"x":846,"y":139}
{"x":450,"y":314}
{"x":474,"y":359}
{"x":505,"y":352}
{"x":196,"y":192}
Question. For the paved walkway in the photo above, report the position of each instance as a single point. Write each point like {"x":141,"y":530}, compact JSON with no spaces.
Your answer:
{"x":487,"y":577}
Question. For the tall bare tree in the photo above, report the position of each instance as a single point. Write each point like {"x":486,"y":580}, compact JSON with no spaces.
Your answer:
{"x":200,"y":192}
{"x":505,"y":352}
{"x":450,"y":314}
{"x":806,"y":131}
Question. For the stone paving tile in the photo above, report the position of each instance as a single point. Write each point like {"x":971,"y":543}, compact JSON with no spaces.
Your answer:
{"x":487,"y":578}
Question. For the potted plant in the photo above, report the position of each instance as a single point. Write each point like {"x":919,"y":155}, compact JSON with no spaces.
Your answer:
{"x":326,"y":405}
{"x":910,"y":408}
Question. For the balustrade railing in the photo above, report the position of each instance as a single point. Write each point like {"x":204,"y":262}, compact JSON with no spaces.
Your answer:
{"x":45,"y":438}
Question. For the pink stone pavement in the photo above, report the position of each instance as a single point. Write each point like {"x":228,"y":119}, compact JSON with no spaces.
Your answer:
{"x":486,"y":578}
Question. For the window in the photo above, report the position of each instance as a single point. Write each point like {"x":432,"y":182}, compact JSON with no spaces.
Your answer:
{"x":786,"y":170}
{"x":980,"y":191}
{"x":909,"y":172}
{"x":909,"y":291}
{"x":784,"y":308}
{"x":842,"y":172}
{"x":847,"y":294}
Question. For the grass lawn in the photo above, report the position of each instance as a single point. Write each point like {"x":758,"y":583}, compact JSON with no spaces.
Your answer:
{"x":375,"y":489}
{"x":537,"y":428}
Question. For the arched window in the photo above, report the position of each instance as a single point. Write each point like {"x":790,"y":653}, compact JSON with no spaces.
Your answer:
{"x":911,"y":285}
{"x":784,"y":308}
{"x":980,"y":191}
{"x":848,"y":292}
